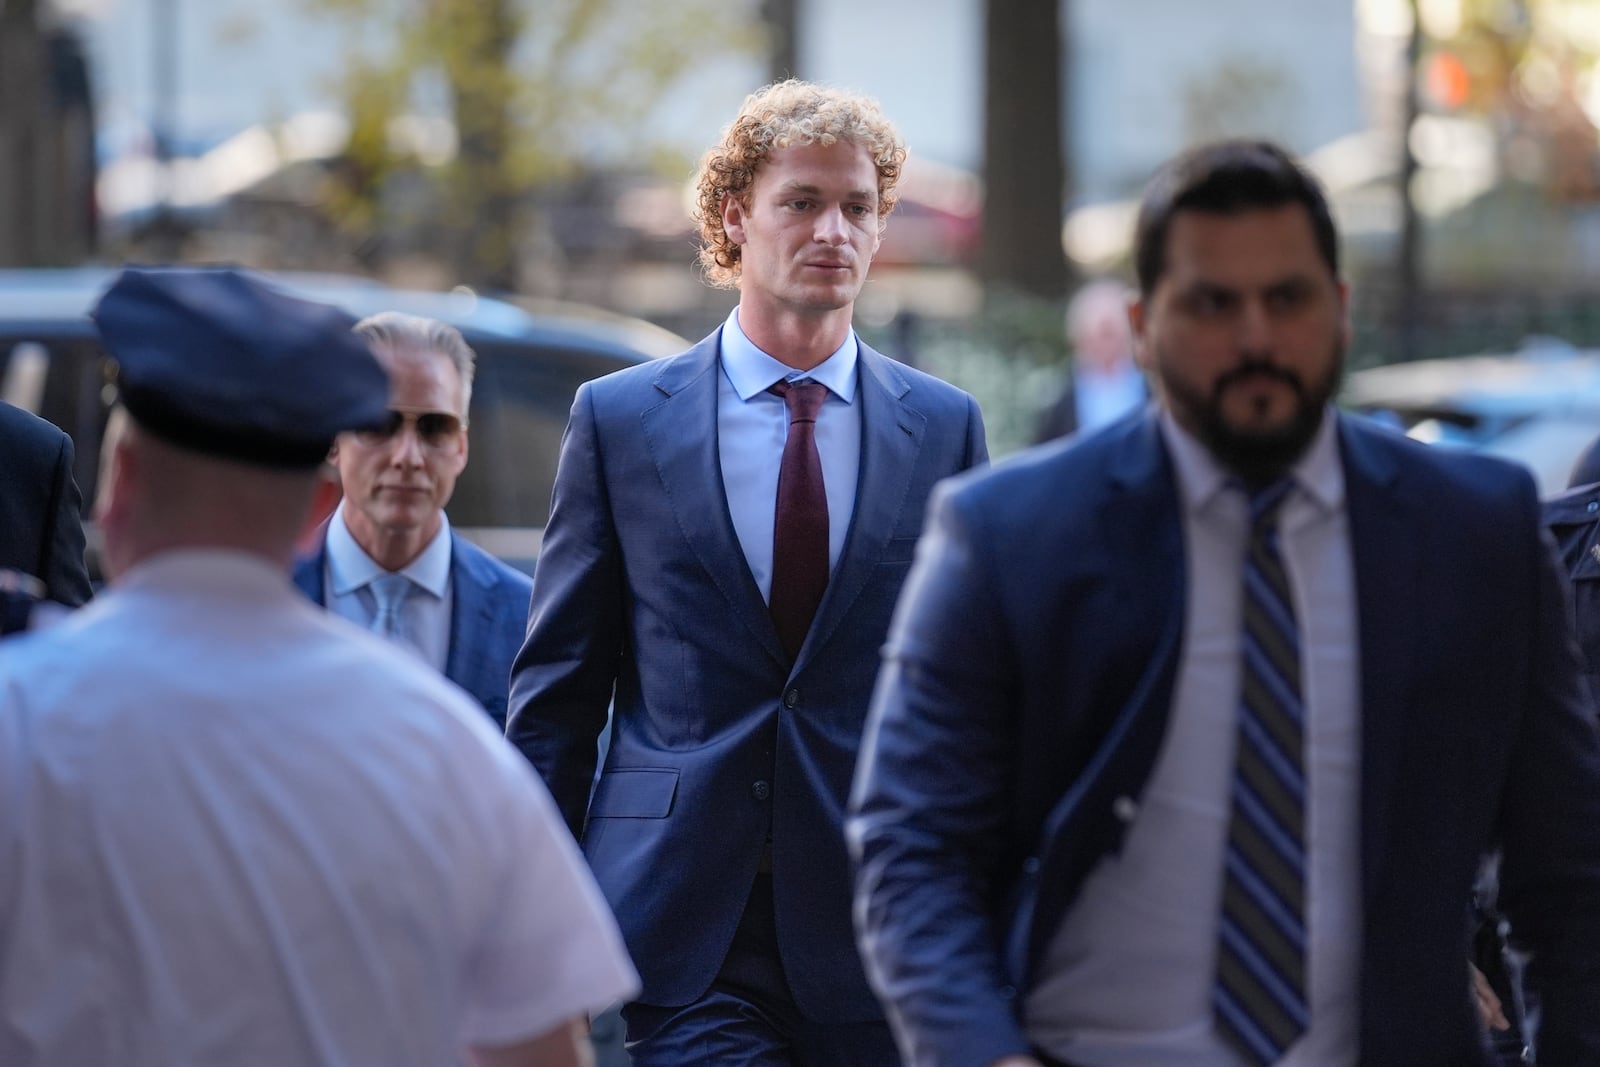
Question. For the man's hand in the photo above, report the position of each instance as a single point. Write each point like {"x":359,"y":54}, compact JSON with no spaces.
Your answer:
{"x":565,"y":1046}
{"x":1490,"y":1009}
{"x":1017,"y":1061}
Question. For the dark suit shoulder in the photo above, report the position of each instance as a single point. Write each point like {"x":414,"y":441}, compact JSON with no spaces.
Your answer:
{"x":1062,"y":469}
{"x":654,"y":378}
{"x":923,"y":388}
{"x":28,"y":438}
{"x":1431,"y":475}
{"x":489,"y":571}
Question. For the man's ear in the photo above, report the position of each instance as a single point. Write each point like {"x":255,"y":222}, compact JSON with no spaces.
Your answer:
{"x":733,"y":215}
{"x":324,"y":499}
{"x":119,"y":474}
{"x":1141,"y":354}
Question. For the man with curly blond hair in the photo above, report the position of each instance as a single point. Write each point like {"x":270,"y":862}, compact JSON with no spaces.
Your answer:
{"x":729,"y":533}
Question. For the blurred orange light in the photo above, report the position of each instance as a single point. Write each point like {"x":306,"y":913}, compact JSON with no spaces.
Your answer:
{"x":1447,"y":79}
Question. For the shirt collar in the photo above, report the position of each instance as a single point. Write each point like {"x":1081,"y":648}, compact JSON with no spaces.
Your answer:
{"x":751,"y":371}
{"x":350,"y":568}
{"x":1319,"y":476}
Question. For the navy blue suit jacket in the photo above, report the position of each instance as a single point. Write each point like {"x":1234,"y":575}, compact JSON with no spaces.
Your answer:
{"x":41,"y":531}
{"x":642,"y":592}
{"x":489,"y":614}
{"x":1026,"y":690}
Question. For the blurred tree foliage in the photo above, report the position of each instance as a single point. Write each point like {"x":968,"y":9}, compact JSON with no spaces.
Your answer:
{"x":527,"y":89}
{"x":1533,"y":68}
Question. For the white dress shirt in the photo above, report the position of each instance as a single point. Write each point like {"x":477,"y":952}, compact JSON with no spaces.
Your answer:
{"x":752,"y":425}
{"x":425,"y":614}
{"x":237,"y":830}
{"x":1127,"y":980}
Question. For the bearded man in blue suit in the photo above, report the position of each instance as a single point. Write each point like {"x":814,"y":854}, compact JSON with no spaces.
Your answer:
{"x":1191,"y":734}
{"x":722,"y":560}
{"x":388,"y":559}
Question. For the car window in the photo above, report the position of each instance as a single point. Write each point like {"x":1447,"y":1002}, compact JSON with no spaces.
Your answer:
{"x":520,"y":402}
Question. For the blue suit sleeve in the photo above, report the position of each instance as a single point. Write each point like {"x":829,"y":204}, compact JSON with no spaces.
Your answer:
{"x":563,"y":676}
{"x":977,"y":439}
{"x":1550,"y":826}
{"x":929,"y":807}
{"x":62,"y":567}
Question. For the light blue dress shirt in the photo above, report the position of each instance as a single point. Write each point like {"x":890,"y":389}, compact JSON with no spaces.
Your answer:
{"x":752,"y":425}
{"x":425,"y":615}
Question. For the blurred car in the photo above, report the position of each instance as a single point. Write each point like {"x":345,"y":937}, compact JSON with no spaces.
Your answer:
{"x":1539,"y":406}
{"x":529,"y":367}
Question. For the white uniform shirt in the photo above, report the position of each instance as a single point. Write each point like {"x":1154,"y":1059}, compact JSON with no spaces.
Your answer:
{"x":236,"y":830}
{"x":1127,"y":980}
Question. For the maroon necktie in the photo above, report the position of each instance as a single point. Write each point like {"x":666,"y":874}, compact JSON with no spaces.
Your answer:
{"x":800,"y":526}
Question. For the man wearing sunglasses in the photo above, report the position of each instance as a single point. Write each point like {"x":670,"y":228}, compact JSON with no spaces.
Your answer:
{"x":387,"y":558}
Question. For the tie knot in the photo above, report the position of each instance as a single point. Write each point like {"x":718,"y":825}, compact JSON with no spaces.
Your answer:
{"x":390,"y":591}
{"x":804,"y":398}
{"x":1266,"y":501}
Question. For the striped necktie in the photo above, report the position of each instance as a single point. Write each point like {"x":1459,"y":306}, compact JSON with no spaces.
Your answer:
{"x":1259,"y":1000}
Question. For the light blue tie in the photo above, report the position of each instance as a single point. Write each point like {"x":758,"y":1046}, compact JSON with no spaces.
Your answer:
{"x":1259,"y":999}
{"x":390,"y":592}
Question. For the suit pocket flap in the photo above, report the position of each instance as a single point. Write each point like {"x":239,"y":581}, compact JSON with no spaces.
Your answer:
{"x":635,"y":793}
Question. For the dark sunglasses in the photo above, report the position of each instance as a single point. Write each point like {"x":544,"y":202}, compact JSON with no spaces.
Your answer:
{"x":434,"y":428}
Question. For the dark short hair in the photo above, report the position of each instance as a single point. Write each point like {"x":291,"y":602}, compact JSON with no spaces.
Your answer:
{"x":1226,"y":178}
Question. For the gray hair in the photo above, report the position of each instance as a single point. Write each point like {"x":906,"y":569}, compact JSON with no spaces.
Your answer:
{"x":397,"y":332}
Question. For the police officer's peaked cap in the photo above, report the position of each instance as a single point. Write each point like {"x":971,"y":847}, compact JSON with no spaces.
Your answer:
{"x":218,"y":361}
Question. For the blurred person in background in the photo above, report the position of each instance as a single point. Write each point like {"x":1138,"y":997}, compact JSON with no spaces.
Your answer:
{"x":1106,"y":383}
{"x":387,"y":558}
{"x":41,"y":531}
{"x":729,"y":530}
{"x":1220,"y":800}
{"x":237,"y":829}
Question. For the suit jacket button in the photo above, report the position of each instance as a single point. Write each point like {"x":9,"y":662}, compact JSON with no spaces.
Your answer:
{"x":1030,"y":865}
{"x":1007,"y":992}
{"x":1125,"y":808}
{"x":760,"y":790}
{"x":791,"y":698}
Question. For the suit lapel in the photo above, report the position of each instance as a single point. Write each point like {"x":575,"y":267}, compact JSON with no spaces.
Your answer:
{"x":471,"y":617}
{"x":309,"y":570}
{"x":1383,"y":548}
{"x":681,"y":430}
{"x":1140,"y":495}
{"x":891,"y":435}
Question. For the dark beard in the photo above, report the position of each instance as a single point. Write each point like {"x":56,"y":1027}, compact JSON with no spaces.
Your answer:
{"x":1259,"y":458}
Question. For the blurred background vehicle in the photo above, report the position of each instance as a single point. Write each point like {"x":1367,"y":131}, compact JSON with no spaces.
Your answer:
{"x":1539,"y":405}
{"x":529,"y":366}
